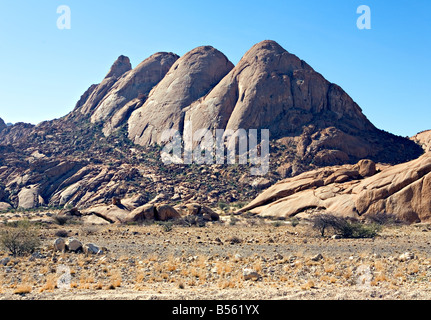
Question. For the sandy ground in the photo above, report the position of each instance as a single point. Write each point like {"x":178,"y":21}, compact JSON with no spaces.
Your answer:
{"x":151,"y":262}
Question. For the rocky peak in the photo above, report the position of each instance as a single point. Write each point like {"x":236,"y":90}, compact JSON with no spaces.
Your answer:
{"x":2,"y":124}
{"x":136,"y":83}
{"x":191,"y":77}
{"x":120,"y":66}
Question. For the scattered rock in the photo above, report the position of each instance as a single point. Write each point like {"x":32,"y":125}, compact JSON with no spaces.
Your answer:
{"x":116,"y":201}
{"x":406,"y":256}
{"x":250,"y":274}
{"x":91,"y":248}
{"x":59,"y":244}
{"x":317,"y":257}
{"x":74,"y":245}
{"x":4,"y":261}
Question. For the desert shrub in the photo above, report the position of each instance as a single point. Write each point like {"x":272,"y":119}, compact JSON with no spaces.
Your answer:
{"x":294,"y":221}
{"x":223,"y":206}
{"x":277,"y":224}
{"x":61,"y":233}
{"x":167,"y":226}
{"x":233,"y":220}
{"x":192,"y":220}
{"x":383,"y":219}
{"x":19,"y":238}
{"x":61,"y":219}
{"x":344,"y":227}
{"x":356,"y":229}
{"x":323,"y":222}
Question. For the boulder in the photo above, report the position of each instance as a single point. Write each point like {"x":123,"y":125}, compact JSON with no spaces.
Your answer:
{"x":209,"y":214}
{"x":166,"y":212}
{"x":366,"y":168}
{"x":193,"y":208}
{"x":29,"y":198}
{"x":406,"y":256}
{"x":5,"y":261}
{"x":74,"y":245}
{"x":250,"y":274}
{"x":4,"y":206}
{"x":111,"y":213}
{"x":90,"y":248}
{"x":142,"y":213}
{"x":59,"y":244}
{"x":95,"y":220}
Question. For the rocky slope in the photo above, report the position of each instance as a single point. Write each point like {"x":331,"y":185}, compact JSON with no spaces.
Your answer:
{"x":403,"y":190}
{"x":108,"y":145}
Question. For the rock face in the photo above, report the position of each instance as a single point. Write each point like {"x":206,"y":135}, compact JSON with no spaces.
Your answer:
{"x":92,"y":97}
{"x":87,"y":157}
{"x":191,"y":77}
{"x":424,"y":139}
{"x":270,"y":88}
{"x":124,"y":89}
{"x":353,"y":190}
{"x":2,"y":124}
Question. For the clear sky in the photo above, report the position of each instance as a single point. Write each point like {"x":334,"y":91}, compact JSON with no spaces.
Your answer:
{"x":386,"y":70}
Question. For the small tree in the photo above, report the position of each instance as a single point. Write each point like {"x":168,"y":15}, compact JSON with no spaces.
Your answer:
{"x":19,"y":238}
{"x":322,"y":222}
{"x":344,"y":227}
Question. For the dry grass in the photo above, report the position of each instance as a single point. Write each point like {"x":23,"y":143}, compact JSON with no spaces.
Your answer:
{"x":22,"y":289}
{"x":197,"y":269}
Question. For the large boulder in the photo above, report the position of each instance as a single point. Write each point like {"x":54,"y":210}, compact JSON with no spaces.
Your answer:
{"x":142,"y":213}
{"x":110,"y":213}
{"x":403,"y":190}
{"x":165,"y":212}
{"x":74,"y":245}
{"x":59,"y":244}
{"x":29,"y":197}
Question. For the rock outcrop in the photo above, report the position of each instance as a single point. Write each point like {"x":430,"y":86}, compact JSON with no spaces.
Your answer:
{"x":191,"y":77}
{"x":123,"y":90}
{"x":88,"y":157}
{"x":273,"y":89}
{"x":101,"y":214}
{"x":2,"y":124}
{"x":354,"y":191}
{"x":424,"y":139}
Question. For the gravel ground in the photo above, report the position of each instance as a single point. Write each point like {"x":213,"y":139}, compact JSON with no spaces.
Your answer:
{"x":251,"y":259}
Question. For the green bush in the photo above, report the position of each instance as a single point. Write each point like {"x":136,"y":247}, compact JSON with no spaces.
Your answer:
{"x":344,"y":227}
{"x":358,"y":230}
{"x":20,"y":238}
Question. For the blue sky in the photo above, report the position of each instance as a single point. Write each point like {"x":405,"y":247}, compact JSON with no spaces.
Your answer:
{"x":386,"y":70}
